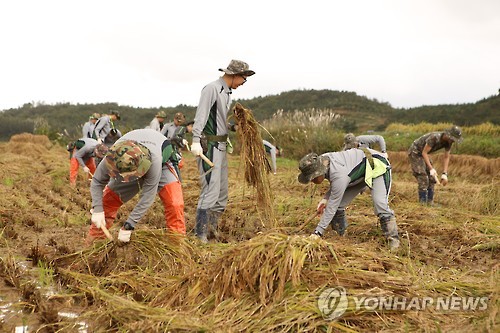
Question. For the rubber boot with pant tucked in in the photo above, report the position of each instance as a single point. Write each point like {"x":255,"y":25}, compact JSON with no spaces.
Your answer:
{"x":430,"y":195}
{"x":213,"y":219}
{"x":201,"y":227}
{"x":390,"y":230}
{"x":422,"y":196}
{"x":339,"y":222}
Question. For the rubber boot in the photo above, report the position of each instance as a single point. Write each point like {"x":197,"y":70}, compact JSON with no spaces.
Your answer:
{"x":201,"y":227}
{"x":339,"y":222}
{"x":390,"y":230}
{"x":213,"y":219}
{"x":422,"y":197}
{"x":430,"y":196}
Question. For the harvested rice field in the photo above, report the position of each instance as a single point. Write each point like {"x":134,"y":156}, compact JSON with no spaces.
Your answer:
{"x":263,"y":273}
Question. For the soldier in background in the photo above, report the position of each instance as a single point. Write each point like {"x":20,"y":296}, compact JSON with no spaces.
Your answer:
{"x":105,"y":125}
{"x":365,"y":141}
{"x":88,"y":127}
{"x":83,"y":154}
{"x":421,"y":163}
{"x":157,"y":122}
{"x":169,"y":129}
{"x":273,"y":151}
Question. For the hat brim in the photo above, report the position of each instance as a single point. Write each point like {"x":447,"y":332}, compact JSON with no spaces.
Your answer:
{"x":454,"y":138}
{"x":303,"y":179}
{"x":245,"y":73}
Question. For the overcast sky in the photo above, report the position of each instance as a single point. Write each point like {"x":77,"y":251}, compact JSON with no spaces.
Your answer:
{"x":152,"y":53}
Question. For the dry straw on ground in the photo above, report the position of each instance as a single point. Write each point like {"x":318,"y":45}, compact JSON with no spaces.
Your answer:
{"x":265,"y":282}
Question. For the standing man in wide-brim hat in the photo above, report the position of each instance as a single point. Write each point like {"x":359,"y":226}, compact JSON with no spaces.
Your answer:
{"x":211,"y":128}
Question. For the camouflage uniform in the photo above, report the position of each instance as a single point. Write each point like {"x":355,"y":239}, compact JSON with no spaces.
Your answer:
{"x":418,"y":166}
{"x":420,"y":170}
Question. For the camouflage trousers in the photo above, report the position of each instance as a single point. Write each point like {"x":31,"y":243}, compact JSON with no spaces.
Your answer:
{"x":421,"y":172}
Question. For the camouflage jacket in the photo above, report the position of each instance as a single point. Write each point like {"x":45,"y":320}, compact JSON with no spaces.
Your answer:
{"x":433,"y":140}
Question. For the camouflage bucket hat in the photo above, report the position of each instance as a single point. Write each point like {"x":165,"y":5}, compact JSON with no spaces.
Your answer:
{"x":455,"y":134}
{"x":350,"y":141}
{"x":128,"y":161}
{"x":237,"y":67}
{"x":179,"y":116}
{"x":95,"y":116}
{"x":101,"y":150}
{"x":161,"y":114}
{"x":311,"y":166}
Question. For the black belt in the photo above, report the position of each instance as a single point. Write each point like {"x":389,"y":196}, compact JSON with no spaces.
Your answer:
{"x":216,"y":138}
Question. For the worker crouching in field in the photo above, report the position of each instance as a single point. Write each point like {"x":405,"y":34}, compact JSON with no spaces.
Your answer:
{"x":82,"y":154}
{"x":349,"y":173}
{"x":140,"y":161}
{"x":421,"y":163}
{"x":365,"y":141}
{"x":273,"y":151}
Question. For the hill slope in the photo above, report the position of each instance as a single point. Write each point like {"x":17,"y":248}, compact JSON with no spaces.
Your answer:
{"x":358,"y":111}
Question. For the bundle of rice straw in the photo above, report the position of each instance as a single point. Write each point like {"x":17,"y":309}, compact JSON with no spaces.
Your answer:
{"x":254,"y":159}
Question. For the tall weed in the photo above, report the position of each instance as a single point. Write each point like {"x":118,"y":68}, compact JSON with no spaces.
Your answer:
{"x":302,"y":132}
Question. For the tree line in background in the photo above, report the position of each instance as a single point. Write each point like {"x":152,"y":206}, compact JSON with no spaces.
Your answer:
{"x":341,"y":111}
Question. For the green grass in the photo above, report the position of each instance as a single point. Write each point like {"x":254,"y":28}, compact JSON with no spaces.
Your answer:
{"x":8,"y":181}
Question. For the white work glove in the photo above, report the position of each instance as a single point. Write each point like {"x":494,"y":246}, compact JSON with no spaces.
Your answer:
{"x":86,"y":169}
{"x":98,"y":219}
{"x":434,"y":174}
{"x":321,"y":206}
{"x":196,"y":149}
{"x":99,"y":140}
{"x":314,"y":237}
{"x":444,"y":179}
{"x":185,"y":143}
{"x":124,"y":235}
